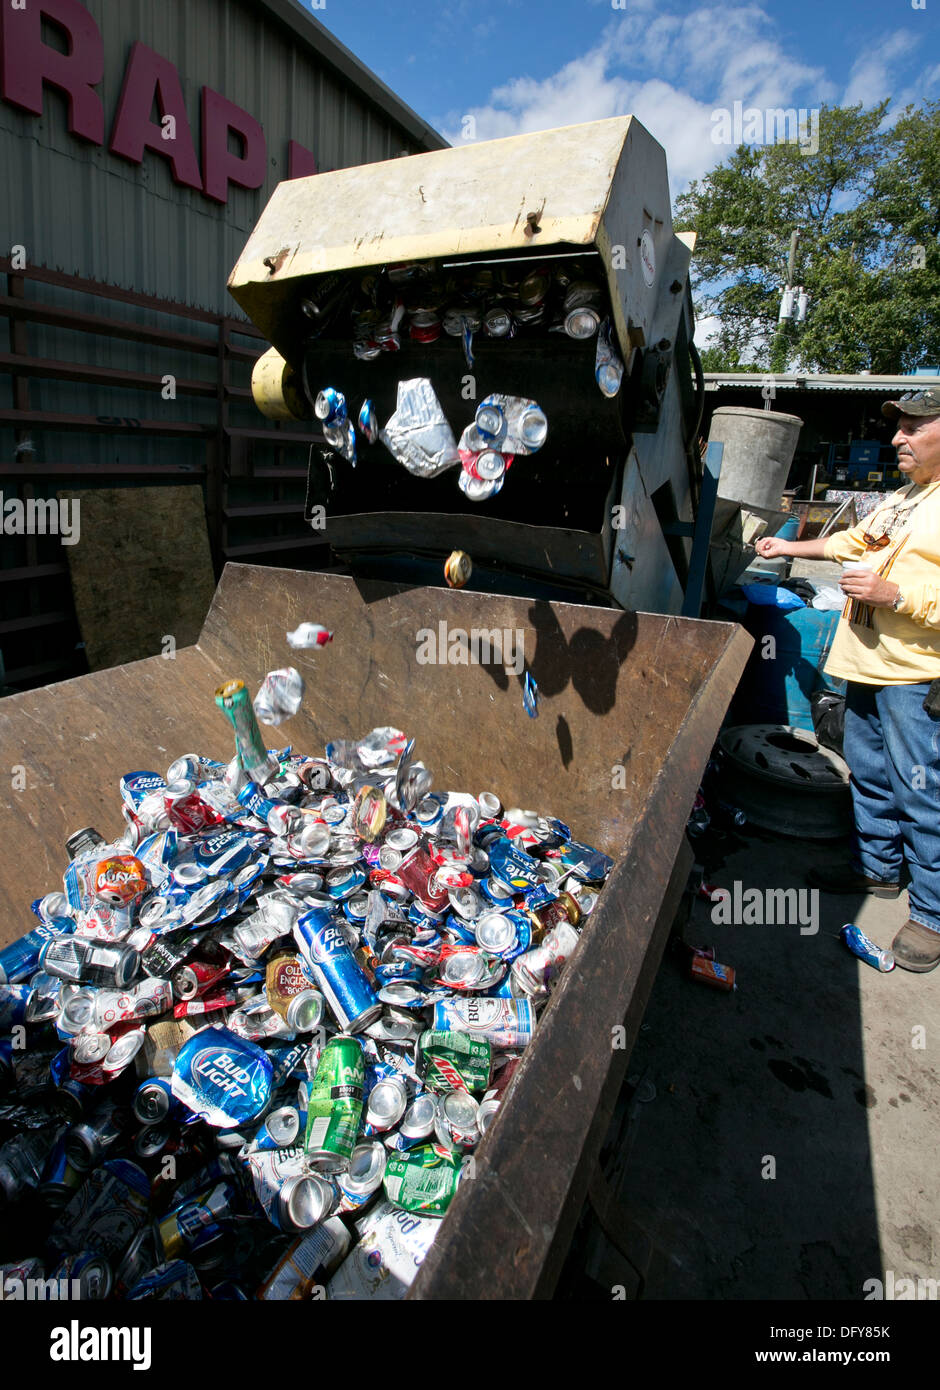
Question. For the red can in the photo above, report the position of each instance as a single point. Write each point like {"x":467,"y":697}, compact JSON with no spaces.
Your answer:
{"x":711,"y":972}
{"x":197,"y":978}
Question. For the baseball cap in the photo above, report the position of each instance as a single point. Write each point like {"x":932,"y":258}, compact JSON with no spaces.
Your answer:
{"x":923,"y":402}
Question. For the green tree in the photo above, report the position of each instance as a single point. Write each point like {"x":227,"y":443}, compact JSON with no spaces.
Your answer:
{"x":867,"y":208}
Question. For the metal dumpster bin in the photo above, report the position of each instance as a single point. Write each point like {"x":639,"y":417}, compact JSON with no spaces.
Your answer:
{"x":582,"y":203}
{"x":636,"y":692}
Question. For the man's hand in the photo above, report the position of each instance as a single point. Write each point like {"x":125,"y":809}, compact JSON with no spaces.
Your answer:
{"x":769,"y":547}
{"x":870,"y":588}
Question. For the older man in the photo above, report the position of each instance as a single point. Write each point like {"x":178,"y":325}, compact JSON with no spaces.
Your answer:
{"x":887,"y":647}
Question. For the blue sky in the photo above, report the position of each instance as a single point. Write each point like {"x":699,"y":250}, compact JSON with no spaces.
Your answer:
{"x":517,"y":65}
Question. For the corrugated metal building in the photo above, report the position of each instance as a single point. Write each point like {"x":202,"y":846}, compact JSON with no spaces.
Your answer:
{"x":839,"y":412}
{"x":140,"y":142}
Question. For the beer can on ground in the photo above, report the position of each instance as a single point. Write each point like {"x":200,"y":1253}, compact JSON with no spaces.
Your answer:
{"x":334,"y":1105}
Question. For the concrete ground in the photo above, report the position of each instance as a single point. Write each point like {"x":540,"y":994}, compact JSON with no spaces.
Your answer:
{"x":782,"y":1141}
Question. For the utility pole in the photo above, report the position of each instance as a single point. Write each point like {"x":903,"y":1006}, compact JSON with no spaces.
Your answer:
{"x":793,"y":305}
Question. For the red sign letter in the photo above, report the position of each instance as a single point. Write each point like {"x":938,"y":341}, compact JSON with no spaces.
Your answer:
{"x":28,"y":62}
{"x":148,"y":76}
{"x":300,"y":161}
{"x":220,"y":166}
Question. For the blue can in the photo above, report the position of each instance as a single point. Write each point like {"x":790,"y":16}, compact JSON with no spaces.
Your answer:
{"x":395,"y":970}
{"x":154,"y":1101}
{"x":343,"y":883}
{"x":254,"y":800}
{"x":862,"y":946}
{"x":134,"y":786}
{"x":222,"y":1078}
{"x":13,"y":1001}
{"x":343,"y":983}
{"x":586,"y":862}
{"x":20,"y":959}
{"x":330,"y":406}
{"x":530,"y":696}
{"x":368,"y":423}
{"x":513,"y":868}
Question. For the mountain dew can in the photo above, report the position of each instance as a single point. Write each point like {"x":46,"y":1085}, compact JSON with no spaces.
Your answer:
{"x":455,"y":1061}
{"x":423,"y":1180}
{"x":334,"y":1105}
{"x":233,"y":700}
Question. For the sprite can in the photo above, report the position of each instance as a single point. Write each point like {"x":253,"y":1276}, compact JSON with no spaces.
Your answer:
{"x":455,"y":1061}
{"x":232,"y":699}
{"x":423,"y":1180}
{"x":334,"y":1105}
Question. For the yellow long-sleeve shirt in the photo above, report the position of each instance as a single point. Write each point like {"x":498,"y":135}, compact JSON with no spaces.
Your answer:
{"x":902,"y":647}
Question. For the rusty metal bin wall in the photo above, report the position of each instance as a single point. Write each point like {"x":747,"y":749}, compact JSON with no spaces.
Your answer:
{"x":639,"y":692}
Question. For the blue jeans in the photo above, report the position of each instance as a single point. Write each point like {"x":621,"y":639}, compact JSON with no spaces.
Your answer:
{"x":892,"y":747}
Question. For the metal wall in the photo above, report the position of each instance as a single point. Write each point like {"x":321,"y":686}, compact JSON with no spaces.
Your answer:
{"x":79,"y":208}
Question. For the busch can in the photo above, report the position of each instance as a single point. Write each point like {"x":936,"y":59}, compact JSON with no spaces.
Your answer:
{"x":504,"y":1022}
{"x":334,"y":1104}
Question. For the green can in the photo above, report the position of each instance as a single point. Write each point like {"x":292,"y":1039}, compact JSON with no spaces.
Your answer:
{"x":334,"y":1105}
{"x":422,"y":1180}
{"x":232,"y":699}
{"x":455,"y":1061}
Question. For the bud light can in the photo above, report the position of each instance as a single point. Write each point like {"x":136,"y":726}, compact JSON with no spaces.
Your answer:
{"x":343,"y":983}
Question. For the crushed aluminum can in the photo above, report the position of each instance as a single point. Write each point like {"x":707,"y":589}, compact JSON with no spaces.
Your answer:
{"x":417,"y":435}
{"x":530,"y":696}
{"x":458,"y":568}
{"x":309,"y":635}
{"x":864,"y":948}
{"x":368,"y":423}
{"x":608,"y":364}
{"x":511,"y":424}
{"x":280,"y":696}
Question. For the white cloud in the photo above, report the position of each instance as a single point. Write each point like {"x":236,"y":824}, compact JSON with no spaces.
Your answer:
{"x":872,"y":77}
{"x":702,"y":60}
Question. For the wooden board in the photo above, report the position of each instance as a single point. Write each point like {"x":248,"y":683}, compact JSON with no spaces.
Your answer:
{"x":141,"y":571}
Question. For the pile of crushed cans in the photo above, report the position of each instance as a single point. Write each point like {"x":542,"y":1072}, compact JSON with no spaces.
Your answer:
{"x":249,"y":1051}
